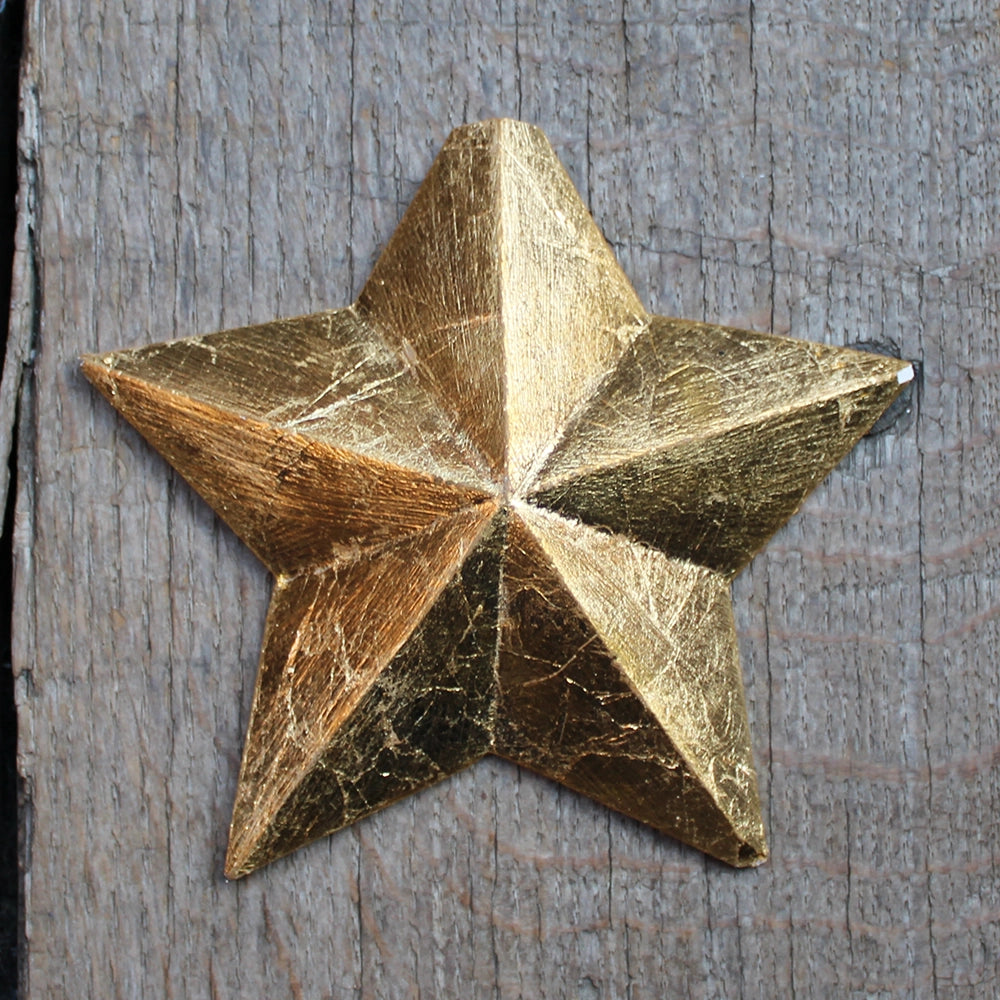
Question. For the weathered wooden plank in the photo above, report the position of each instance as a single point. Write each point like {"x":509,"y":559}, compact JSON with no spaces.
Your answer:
{"x":827,"y":171}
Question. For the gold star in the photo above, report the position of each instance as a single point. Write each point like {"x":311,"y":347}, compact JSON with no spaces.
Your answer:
{"x":503,"y":505}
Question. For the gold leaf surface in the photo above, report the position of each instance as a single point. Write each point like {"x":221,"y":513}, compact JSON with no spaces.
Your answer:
{"x":503,"y":505}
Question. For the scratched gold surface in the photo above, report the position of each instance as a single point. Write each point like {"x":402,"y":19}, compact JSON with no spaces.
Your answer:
{"x":503,"y":506}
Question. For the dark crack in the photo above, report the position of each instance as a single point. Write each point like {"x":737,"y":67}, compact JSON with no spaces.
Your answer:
{"x":14,"y":798}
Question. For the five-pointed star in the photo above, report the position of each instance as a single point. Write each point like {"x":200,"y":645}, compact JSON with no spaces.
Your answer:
{"x":503,"y":506}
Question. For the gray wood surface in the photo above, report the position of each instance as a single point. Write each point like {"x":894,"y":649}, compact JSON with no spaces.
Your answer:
{"x":827,"y":169}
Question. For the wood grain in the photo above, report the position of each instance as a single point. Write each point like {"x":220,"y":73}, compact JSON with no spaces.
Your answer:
{"x":828,"y":172}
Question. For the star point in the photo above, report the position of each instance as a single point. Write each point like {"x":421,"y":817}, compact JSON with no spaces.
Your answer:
{"x":503,"y":506}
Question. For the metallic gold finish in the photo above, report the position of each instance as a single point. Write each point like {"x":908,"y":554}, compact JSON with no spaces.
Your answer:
{"x":503,"y":506}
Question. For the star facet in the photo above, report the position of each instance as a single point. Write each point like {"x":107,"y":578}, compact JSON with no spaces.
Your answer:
{"x":503,"y":506}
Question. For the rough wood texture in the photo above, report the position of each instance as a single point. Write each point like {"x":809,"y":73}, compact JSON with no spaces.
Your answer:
{"x":827,"y":171}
